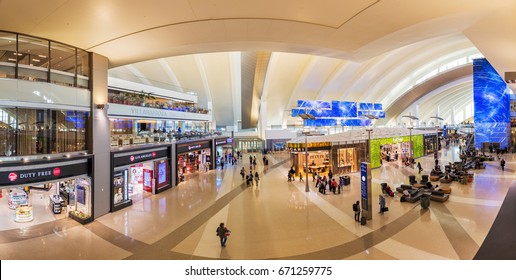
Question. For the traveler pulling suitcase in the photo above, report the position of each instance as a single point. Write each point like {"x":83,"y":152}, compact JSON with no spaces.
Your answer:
{"x":363,"y":221}
{"x":385,"y":209}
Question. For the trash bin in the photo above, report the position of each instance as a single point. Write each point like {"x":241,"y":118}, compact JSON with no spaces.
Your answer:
{"x":424,"y":179}
{"x":347,"y":180}
{"x":425,"y":201}
{"x":412,"y":179}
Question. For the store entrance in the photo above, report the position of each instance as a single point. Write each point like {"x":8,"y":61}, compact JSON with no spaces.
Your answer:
{"x":38,"y":203}
{"x":140,"y":182}
{"x":393,"y":152}
{"x":193,"y":162}
{"x":224,"y":155}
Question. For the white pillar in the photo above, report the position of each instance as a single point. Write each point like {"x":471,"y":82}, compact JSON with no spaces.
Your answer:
{"x":416,"y":114}
{"x":100,"y":137}
{"x":262,"y":121}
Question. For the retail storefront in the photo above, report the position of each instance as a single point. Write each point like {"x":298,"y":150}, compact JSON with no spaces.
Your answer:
{"x":392,"y":148}
{"x":138,"y":173}
{"x":396,"y":149}
{"x":46,"y":190}
{"x":350,"y":148}
{"x":429,"y":144}
{"x":345,"y":156}
{"x":193,"y":157}
{"x":318,"y":157}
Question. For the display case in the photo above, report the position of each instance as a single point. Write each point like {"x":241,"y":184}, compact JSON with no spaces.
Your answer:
{"x":17,"y":198}
{"x":56,"y":204}
{"x":82,"y":205}
{"x":23,"y":214}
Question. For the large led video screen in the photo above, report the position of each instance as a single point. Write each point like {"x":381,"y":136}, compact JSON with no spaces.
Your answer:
{"x":317,"y":104}
{"x":491,"y":104}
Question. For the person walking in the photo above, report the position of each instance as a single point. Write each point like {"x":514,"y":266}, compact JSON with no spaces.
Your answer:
{"x":223,"y":233}
{"x":314,"y":176}
{"x":242,"y":172}
{"x":256,"y":177}
{"x":356,"y":209}
{"x":382,"y":204}
{"x":300,"y":176}
{"x":250,"y":178}
{"x":419,"y":167}
{"x":502,"y":164}
{"x":334,"y":185}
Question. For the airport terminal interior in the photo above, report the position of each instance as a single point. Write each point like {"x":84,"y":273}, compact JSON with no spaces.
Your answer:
{"x":120,"y":124}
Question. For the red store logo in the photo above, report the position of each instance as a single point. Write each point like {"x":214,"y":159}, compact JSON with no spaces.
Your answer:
{"x":13,"y":176}
{"x":57,"y":171}
{"x":153,"y":154}
{"x":131,"y":158}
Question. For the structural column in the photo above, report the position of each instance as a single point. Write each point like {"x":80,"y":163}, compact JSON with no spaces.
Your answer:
{"x":99,"y":141}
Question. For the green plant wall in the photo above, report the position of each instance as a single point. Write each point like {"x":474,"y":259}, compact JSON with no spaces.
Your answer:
{"x":418,"y":141}
{"x":375,"y":152}
{"x":419,"y":146}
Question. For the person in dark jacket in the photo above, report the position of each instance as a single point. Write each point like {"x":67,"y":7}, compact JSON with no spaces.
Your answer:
{"x":356,"y":209}
{"x":223,"y":233}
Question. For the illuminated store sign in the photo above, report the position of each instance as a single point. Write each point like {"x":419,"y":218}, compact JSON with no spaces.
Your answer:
{"x":311,"y":146}
{"x":194,"y":147}
{"x":140,"y":157}
{"x":190,"y":147}
{"x":36,"y":175}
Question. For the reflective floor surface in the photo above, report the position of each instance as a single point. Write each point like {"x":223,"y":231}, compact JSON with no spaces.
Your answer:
{"x":276,"y":219}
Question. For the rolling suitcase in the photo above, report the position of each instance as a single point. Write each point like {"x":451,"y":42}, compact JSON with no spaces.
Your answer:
{"x":363,"y":221}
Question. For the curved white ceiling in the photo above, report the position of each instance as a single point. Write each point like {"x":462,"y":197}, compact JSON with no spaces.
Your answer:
{"x":290,"y":77}
{"x":354,"y":49}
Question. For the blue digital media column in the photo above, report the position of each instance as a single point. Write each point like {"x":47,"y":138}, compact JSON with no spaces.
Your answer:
{"x":365,"y":190}
{"x":492,"y":105}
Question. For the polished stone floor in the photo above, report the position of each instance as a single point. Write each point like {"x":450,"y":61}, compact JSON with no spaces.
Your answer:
{"x":276,"y":219}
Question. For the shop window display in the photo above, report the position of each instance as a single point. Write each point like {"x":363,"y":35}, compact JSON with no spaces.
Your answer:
{"x":347,"y":159}
{"x":81,"y":206}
